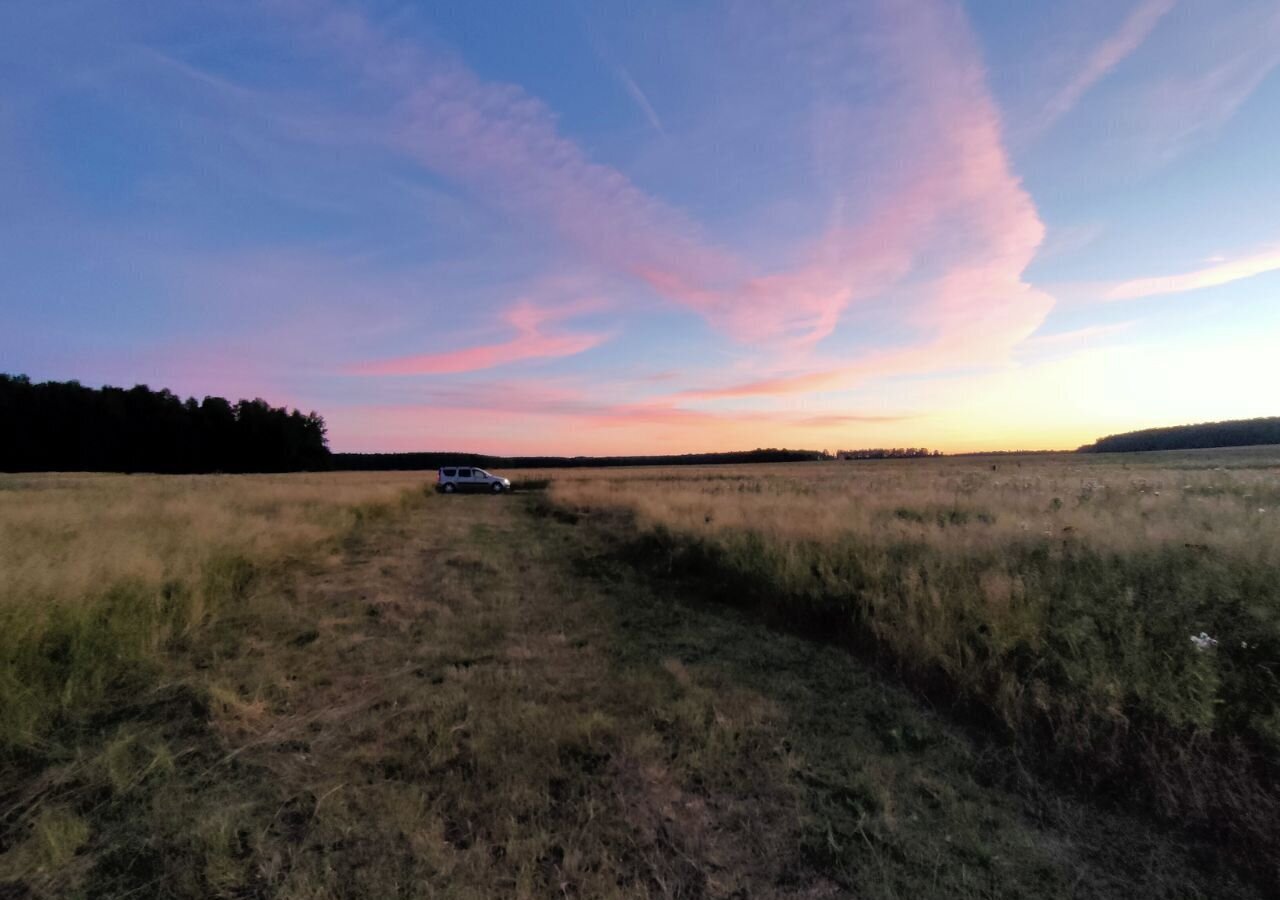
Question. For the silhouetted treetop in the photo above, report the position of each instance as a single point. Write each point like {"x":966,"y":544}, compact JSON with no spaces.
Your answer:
{"x":1206,"y":435}
{"x":888,"y":453}
{"x":64,"y":426}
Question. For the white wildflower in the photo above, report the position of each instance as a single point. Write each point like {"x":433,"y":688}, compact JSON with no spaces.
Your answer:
{"x":1203,"y":641}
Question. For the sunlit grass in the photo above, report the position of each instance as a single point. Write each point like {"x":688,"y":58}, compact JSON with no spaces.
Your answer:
{"x":332,"y":685}
{"x":100,"y":573}
{"x":1059,"y":595}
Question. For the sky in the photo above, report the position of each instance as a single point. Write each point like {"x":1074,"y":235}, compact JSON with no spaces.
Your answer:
{"x":572,"y":228}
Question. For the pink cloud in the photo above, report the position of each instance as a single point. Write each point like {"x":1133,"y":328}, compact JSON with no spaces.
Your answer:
{"x":959,"y":219}
{"x":575,"y":411}
{"x":962,"y":207}
{"x":530,"y":342}
{"x":506,"y":145}
{"x":1209,"y":276}
{"x":626,"y":429}
{"x":958,"y":203}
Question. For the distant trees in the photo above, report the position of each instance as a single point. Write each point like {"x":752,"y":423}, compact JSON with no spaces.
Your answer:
{"x":1234,"y":433}
{"x":64,"y":426}
{"x":887,"y":453}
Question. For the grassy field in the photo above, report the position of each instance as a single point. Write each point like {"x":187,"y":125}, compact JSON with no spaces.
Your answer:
{"x":101,"y":574}
{"x":346,"y":686}
{"x":1059,"y":598}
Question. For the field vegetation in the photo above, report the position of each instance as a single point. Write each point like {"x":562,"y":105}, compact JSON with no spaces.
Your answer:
{"x":102,"y":575}
{"x":345,"y":685}
{"x":1118,"y":618}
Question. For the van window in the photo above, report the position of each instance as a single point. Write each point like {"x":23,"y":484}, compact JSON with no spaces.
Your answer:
{"x":449,"y":473}
{"x":464,"y":473}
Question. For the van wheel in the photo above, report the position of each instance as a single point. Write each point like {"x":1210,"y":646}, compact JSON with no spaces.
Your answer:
{"x":497,"y":487}
{"x":448,"y":489}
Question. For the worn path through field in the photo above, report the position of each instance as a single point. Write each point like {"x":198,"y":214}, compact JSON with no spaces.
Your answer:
{"x":483,"y":699}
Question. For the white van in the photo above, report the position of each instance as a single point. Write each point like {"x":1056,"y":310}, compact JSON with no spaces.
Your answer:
{"x":469,"y":478}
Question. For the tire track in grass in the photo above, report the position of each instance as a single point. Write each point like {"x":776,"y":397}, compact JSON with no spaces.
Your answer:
{"x":477,"y":701}
{"x":456,"y":725}
{"x":891,"y":799}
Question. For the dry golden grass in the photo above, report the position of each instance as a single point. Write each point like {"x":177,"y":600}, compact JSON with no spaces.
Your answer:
{"x":99,"y":572}
{"x":480,"y":696}
{"x":65,"y":537}
{"x":1226,"y":501}
{"x":1059,"y":594}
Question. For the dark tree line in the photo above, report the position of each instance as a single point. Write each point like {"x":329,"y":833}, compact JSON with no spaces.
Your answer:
{"x":1236,"y":433}
{"x":64,"y":426}
{"x":887,"y":453}
{"x":434,"y":460}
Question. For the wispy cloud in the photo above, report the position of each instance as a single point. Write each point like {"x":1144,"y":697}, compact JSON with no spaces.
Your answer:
{"x":1223,"y":54}
{"x":1209,"y":276}
{"x":598,"y":430}
{"x":640,"y":98}
{"x":962,"y":214}
{"x":1075,"y":338}
{"x":574,"y":408}
{"x":873,"y":242}
{"x":1135,"y":29}
{"x":506,"y":145}
{"x":609,"y":59}
{"x":531,"y":342}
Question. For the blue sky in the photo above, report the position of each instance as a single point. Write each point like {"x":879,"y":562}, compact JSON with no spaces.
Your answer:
{"x":661,"y":227}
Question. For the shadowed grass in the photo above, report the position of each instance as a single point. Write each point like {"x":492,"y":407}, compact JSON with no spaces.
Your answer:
{"x":454,"y":698}
{"x":1065,"y":624}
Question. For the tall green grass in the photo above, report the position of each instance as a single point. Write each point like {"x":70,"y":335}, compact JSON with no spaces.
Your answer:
{"x":1072,"y":636}
{"x":73,"y":654}
{"x":1084,"y":636}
